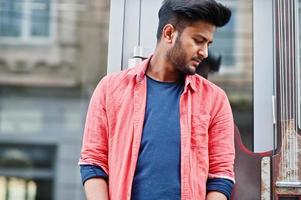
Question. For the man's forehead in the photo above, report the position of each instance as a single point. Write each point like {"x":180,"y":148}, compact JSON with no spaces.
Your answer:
{"x":201,"y":30}
{"x":201,"y":24}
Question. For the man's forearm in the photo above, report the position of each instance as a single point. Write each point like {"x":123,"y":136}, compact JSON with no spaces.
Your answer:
{"x":215,"y":196}
{"x":96,"y":188}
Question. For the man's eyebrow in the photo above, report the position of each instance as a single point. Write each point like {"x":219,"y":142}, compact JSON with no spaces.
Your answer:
{"x":199,"y":36}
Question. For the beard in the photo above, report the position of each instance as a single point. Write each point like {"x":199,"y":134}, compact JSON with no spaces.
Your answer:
{"x":178,"y":58}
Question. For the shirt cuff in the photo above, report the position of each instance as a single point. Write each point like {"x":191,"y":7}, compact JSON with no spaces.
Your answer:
{"x":221,"y":185}
{"x":92,"y":171}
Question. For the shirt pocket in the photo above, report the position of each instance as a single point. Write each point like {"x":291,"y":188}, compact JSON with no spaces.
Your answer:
{"x":199,"y":131}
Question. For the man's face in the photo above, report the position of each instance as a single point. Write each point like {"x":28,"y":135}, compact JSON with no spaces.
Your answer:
{"x":191,"y":47}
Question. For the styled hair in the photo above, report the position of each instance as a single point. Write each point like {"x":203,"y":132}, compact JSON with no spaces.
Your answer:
{"x":181,"y":13}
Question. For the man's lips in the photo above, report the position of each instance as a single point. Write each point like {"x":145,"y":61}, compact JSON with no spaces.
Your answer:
{"x":197,"y":61}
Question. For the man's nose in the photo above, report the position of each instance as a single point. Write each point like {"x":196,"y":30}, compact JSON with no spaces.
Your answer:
{"x":203,"y":52}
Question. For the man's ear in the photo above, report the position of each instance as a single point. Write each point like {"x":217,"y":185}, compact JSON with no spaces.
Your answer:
{"x":169,"y":33}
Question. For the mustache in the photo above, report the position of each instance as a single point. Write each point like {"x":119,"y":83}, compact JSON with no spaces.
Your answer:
{"x":197,"y":59}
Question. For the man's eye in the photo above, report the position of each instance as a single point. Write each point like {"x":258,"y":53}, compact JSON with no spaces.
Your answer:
{"x":199,"y":41}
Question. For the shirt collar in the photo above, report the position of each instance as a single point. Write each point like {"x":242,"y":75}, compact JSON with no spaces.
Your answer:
{"x":140,"y":71}
{"x":190,"y":82}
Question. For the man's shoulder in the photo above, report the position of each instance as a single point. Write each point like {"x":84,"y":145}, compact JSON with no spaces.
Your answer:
{"x":118,"y":78}
{"x":206,"y":85}
{"x":129,"y":73}
{"x":120,"y":75}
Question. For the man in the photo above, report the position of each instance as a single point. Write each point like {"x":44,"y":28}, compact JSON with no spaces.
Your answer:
{"x":158,"y":130}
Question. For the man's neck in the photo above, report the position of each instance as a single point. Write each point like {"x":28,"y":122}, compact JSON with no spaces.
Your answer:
{"x":160,"y":69}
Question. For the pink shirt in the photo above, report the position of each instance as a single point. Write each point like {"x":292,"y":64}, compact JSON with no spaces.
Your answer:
{"x":114,"y":128}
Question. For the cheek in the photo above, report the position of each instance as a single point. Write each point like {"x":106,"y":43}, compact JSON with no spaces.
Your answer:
{"x":191,"y":52}
{"x":191,"y":48}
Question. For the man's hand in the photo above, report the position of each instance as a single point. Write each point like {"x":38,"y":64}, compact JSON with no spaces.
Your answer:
{"x":96,"y":188}
{"x":216,"y":196}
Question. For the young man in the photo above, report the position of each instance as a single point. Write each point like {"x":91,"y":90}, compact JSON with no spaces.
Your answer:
{"x":158,"y":131}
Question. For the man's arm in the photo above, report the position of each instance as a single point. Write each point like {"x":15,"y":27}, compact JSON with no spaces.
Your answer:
{"x":96,"y":188}
{"x":95,"y":146}
{"x":95,"y":182}
{"x":213,"y":195}
{"x":221,"y":149}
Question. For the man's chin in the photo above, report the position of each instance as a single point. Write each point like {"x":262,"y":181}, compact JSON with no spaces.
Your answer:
{"x":188,"y":70}
{"x":191,"y":71}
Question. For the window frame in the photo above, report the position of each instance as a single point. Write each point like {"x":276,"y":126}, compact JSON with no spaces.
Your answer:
{"x":298,"y":42}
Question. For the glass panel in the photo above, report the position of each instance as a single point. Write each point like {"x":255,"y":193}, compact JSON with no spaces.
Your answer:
{"x":31,"y":190}
{"x":11,"y":17}
{"x":2,"y":187}
{"x":16,"y":189}
{"x":234,"y":44}
{"x":40,"y":18}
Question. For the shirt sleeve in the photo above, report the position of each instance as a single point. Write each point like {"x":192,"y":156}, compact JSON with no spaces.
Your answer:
{"x":95,"y":140}
{"x":91,"y":171}
{"x":221,"y":139}
{"x":221,"y":185}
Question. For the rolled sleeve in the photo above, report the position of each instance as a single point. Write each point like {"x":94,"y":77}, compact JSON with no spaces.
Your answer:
{"x":90,"y":171}
{"x":221,"y":185}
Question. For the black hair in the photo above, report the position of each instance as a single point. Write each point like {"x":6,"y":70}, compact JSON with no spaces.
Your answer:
{"x":181,"y":13}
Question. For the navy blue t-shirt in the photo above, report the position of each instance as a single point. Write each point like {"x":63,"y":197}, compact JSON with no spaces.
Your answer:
{"x":157,"y":174}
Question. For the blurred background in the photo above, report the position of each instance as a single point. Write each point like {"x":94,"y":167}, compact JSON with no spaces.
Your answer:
{"x":52,"y":55}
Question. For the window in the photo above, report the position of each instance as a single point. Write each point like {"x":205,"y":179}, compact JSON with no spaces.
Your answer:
{"x":25,"y":20}
{"x":26,"y":171}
